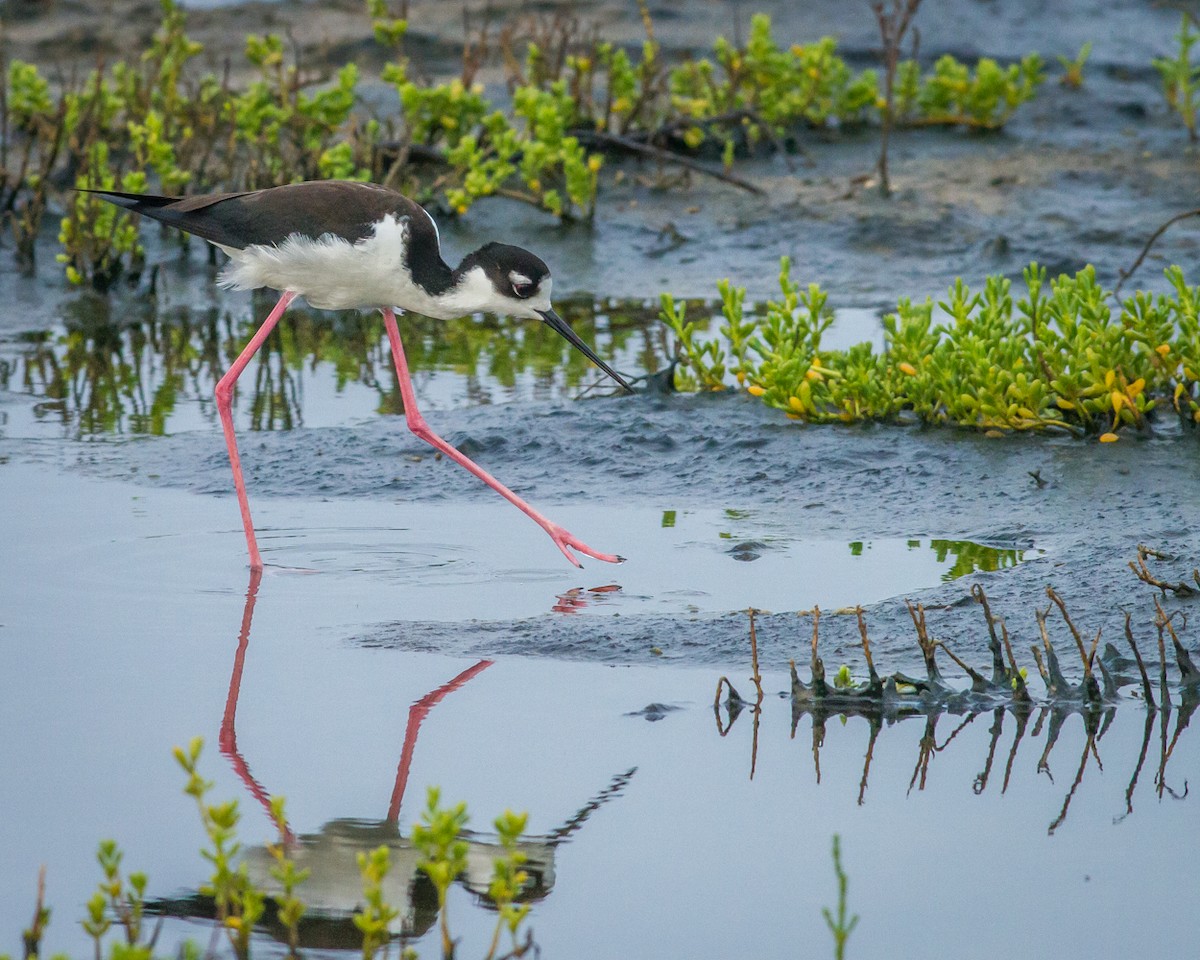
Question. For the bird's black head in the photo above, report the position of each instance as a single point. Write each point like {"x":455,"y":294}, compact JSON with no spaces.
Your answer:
{"x":517,"y":276}
{"x":519,"y":285}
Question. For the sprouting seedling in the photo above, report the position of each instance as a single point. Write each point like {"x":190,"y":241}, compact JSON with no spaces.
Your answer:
{"x":239,"y":902}
{"x":1073,"y":69}
{"x":375,"y":918}
{"x":444,"y":853}
{"x":1180,"y":78}
{"x":839,"y":925}
{"x":508,"y":880}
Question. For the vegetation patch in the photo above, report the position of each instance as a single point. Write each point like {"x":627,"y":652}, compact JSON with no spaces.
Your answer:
{"x":1066,"y":356}
{"x":156,"y":122}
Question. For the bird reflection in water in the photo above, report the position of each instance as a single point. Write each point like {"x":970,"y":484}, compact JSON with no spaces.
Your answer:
{"x":333,"y":890}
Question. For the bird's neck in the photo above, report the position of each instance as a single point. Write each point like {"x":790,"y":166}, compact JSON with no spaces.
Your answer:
{"x":430,"y":271}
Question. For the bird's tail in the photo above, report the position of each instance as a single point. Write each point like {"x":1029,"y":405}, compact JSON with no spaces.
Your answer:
{"x":137,"y":202}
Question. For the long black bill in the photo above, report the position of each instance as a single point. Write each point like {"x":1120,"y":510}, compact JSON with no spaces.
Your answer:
{"x":559,"y":326}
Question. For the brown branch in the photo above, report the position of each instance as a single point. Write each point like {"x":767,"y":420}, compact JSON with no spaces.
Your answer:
{"x":1087,"y":663}
{"x":757,"y":677}
{"x":1147,"y":690}
{"x":1126,"y":274}
{"x":1161,"y":622}
{"x":666,"y":156}
{"x":1142,"y":572}
{"x":977,"y":678}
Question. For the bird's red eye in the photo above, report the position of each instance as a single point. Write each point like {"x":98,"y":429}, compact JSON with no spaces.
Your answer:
{"x":523,"y":290}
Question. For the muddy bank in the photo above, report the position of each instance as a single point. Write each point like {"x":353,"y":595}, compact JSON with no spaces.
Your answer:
{"x":1078,"y":176}
{"x":1080,"y":525}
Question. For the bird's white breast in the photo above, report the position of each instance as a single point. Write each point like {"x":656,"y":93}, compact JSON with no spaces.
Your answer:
{"x":332,"y":273}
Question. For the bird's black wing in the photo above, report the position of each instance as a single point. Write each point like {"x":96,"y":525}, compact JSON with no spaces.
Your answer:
{"x":343,"y":208}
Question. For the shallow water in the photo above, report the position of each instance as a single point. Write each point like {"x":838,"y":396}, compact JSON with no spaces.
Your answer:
{"x":407,"y":613}
{"x":128,"y":631}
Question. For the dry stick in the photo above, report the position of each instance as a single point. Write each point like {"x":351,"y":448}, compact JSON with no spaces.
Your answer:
{"x":1045,"y":674}
{"x":970,"y":718}
{"x":1022,"y":718}
{"x":1126,"y":274}
{"x":1160,"y":778}
{"x":1142,"y":572}
{"x":927,"y":646}
{"x":1088,"y":747}
{"x":757,"y":678}
{"x":866,"y":645}
{"x":1020,"y":691}
{"x":981,"y":779}
{"x":1087,"y":663}
{"x":980,"y":598}
{"x":733,"y":694}
{"x":723,"y":729}
{"x":754,"y":741}
{"x":1057,"y":680}
{"x":1147,"y":690}
{"x":666,"y":156}
{"x":892,"y":27}
{"x":927,"y":747}
{"x":1162,"y":621}
{"x":862,"y":784}
{"x":977,"y":678}
{"x":1149,"y":728}
{"x":1188,"y":673}
{"x":819,"y":687}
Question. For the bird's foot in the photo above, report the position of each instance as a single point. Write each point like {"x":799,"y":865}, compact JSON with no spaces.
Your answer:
{"x":566,"y":542}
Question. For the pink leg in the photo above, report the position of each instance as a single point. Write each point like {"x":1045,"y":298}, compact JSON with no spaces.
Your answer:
{"x":224,"y":394}
{"x":416,"y":423}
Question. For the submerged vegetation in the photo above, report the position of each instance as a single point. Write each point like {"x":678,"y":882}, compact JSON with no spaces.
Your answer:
{"x":889,"y":699}
{"x":1067,"y":356}
{"x":157,"y":123}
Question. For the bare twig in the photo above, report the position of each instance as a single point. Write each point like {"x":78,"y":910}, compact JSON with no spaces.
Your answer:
{"x":1161,"y":622}
{"x":757,"y":677}
{"x":1142,"y":572}
{"x":1126,"y":274}
{"x":1147,"y":690}
{"x":893,"y":25}
{"x":666,"y":156}
{"x":1087,"y":663}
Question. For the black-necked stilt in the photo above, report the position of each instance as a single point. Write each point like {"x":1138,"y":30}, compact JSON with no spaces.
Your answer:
{"x":343,"y":245}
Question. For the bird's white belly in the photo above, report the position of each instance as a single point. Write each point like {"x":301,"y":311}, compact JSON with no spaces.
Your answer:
{"x":331,"y":273}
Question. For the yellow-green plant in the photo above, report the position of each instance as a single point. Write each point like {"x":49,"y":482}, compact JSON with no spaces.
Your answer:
{"x":984,"y":98}
{"x":376,"y":916}
{"x":508,"y":881}
{"x":839,"y":924}
{"x":438,"y":836}
{"x":1073,"y":68}
{"x":99,"y":241}
{"x":239,"y":902}
{"x":1064,"y":356}
{"x":1181,"y":79}
{"x":289,"y":908}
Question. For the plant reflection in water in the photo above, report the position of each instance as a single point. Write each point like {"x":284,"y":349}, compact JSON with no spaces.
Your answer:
{"x":895,"y":698}
{"x":131,"y":368}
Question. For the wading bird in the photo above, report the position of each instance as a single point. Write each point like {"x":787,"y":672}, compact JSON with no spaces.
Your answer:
{"x":343,"y":245}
